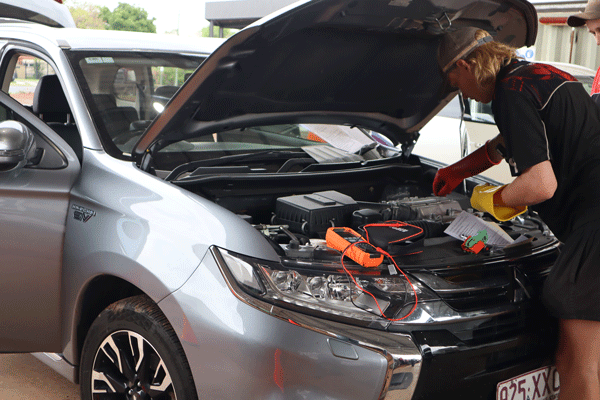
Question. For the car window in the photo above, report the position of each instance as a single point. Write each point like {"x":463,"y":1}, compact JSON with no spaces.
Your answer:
{"x":33,"y":82}
{"x":27,"y":72}
{"x":269,"y":147}
{"x":6,"y":113}
{"x":452,"y":109}
{"x":50,"y":156}
{"x":125,"y":90}
{"x":273,"y":137}
{"x":125,"y":86}
{"x":587,"y":81}
{"x":481,"y":112}
{"x":166,"y":81}
{"x":252,"y":138}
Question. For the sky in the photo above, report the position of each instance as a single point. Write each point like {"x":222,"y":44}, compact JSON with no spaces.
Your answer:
{"x":188,"y":15}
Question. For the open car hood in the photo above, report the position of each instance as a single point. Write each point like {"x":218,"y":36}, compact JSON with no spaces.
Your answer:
{"x":46,"y":12}
{"x":371,"y":63}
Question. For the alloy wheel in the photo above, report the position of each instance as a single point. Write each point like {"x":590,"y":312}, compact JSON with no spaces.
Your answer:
{"x":127,"y":366}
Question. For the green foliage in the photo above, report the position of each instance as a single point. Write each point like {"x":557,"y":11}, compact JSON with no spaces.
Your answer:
{"x":37,"y":69}
{"x":86,"y":16}
{"x":128,"y":18}
{"x":170,"y":76}
{"x":226,"y":32}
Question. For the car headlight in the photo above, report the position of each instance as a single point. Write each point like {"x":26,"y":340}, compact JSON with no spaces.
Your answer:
{"x":327,"y":289}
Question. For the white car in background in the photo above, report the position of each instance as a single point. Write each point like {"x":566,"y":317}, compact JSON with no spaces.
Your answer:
{"x":476,"y":128}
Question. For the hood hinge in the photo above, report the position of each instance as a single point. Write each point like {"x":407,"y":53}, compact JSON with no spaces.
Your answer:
{"x":145,"y":161}
{"x":408,"y":146}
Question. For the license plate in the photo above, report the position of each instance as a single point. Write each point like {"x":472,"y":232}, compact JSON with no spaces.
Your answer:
{"x":541,"y":384}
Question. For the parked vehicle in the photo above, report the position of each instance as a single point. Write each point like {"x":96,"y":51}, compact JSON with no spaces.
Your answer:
{"x":182,"y":252}
{"x":451,"y":135}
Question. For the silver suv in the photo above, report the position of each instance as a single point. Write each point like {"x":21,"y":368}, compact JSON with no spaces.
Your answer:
{"x":179,"y":218}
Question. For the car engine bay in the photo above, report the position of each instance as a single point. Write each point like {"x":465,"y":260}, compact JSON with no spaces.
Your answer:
{"x":300,"y":222}
{"x":294,"y":210}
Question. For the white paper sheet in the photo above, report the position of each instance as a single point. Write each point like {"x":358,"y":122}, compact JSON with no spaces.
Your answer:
{"x":467,"y":224}
{"x":342,"y":137}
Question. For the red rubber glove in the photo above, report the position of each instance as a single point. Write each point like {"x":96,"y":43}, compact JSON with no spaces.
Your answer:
{"x":447,"y":179}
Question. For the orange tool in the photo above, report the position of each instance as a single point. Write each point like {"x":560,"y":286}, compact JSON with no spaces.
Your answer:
{"x":359,"y":250}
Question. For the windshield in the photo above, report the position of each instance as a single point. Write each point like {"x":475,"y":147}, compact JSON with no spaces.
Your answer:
{"x":125,"y":91}
{"x":272,"y":148}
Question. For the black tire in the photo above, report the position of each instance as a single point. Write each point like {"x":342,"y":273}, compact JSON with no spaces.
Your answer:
{"x":150,"y":364}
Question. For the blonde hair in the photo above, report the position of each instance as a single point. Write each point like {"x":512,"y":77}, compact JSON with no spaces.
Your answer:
{"x":488,"y":58}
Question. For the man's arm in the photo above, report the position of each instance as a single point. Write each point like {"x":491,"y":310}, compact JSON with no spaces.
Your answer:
{"x":535,"y":185}
{"x":447,"y":179}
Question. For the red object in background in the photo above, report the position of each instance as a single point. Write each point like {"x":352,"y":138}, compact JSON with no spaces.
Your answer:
{"x":553,"y":20}
{"x":58,"y":1}
{"x":595,"y":84}
{"x":315,"y":138}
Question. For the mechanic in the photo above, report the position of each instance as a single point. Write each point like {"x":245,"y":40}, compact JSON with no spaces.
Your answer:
{"x":590,"y":17}
{"x":550,"y":136}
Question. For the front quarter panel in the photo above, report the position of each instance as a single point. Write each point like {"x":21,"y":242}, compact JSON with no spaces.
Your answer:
{"x":125,"y":223}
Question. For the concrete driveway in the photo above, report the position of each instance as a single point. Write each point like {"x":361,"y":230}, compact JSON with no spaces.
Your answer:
{"x":23,"y":377}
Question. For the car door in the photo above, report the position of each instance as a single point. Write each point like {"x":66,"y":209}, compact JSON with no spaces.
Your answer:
{"x":33,"y":210}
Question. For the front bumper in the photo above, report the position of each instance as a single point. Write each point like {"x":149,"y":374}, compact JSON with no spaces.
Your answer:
{"x":243,"y":348}
{"x":452,"y":369}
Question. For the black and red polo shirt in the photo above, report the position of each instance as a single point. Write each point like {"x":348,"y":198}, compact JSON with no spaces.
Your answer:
{"x":544,"y":113}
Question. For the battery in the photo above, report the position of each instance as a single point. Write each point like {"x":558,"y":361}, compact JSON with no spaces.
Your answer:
{"x":313,"y":213}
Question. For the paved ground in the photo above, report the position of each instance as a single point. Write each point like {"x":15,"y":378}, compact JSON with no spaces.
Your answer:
{"x":23,"y":377}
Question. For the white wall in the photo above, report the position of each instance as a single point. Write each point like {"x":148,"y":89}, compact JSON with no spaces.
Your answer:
{"x":554,"y":44}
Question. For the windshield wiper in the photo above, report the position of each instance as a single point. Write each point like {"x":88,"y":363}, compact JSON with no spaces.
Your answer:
{"x":235,"y":158}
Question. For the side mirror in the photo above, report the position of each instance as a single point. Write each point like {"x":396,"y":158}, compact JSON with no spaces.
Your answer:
{"x":17,"y":145}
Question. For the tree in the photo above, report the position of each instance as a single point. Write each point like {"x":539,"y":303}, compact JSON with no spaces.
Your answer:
{"x":226,"y":32}
{"x":128,"y":18}
{"x":87,"y":16}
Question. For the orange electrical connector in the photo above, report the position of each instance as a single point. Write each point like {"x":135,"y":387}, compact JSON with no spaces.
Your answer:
{"x":359,"y":250}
